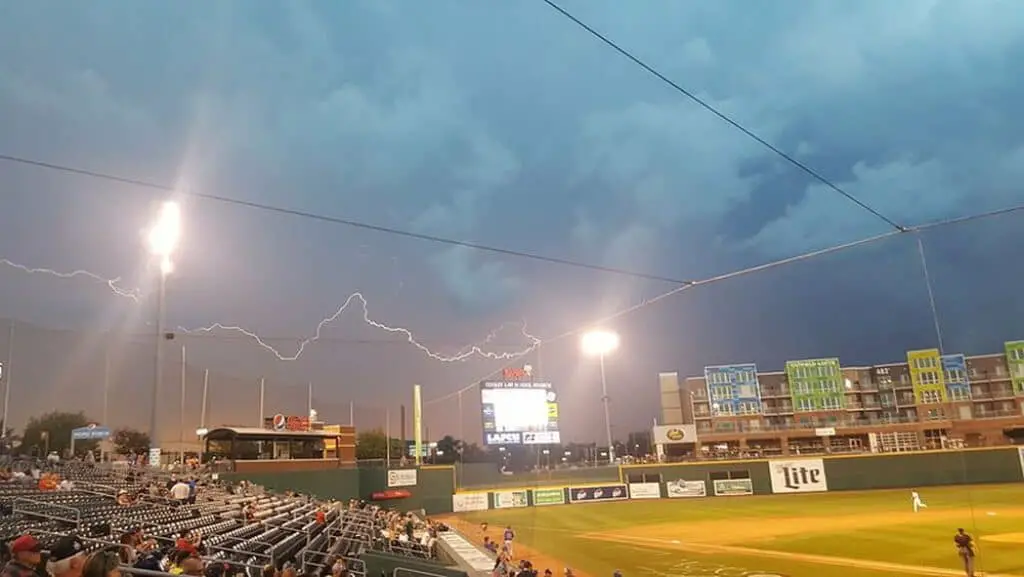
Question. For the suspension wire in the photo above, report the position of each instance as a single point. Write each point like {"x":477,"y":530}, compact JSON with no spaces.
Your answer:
{"x":725,"y":117}
{"x":931,"y":292}
{"x":758,"y":268}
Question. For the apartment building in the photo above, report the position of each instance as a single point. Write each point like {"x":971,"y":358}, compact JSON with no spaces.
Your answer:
{"x":932,"y":400}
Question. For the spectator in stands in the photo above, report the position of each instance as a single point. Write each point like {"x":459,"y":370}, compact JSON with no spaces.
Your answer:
{"x":25,"y":557}
{"x":67,"y":558}
{"x":102,"y":564}
{"x":180,"y":492}
{"x":189,"y":541}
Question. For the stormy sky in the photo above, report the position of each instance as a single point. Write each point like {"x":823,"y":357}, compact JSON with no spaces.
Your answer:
{"x":508,"y":125}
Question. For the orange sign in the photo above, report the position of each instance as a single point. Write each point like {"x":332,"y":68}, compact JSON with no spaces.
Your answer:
{"x":280,"y":422}
{"x":515,"y":374}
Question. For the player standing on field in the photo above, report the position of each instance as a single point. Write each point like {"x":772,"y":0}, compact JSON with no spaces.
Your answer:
{"x":965,"y":548}
{"x":916,"y":500}
{"x":509,"y":537}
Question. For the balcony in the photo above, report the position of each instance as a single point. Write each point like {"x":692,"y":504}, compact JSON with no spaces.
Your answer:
{"x":997,"y":414}
{"x":732,"y":427}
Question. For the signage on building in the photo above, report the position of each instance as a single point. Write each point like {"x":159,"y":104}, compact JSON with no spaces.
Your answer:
{"x":674,"y":434}
{"x":282,"y":422}
{"x":798,"y":476}
{"x":524,"y":373}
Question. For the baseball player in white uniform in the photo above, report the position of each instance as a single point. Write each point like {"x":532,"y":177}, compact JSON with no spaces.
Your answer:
{"x":915,"y":499}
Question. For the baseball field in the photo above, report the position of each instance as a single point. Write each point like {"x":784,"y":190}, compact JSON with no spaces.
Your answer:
{"x":841,"y":534}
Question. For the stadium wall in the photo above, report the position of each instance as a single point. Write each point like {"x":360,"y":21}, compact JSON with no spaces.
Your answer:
{"x":341,"y":484}
{"x":476,"y":476}
{"x":431,"y":488}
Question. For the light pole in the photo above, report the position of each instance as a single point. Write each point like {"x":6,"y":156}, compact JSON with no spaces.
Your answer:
{"x":162,"y":240}
{"x":600,"y":343}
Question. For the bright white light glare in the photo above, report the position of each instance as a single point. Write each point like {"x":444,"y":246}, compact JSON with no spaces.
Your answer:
{"x":599,"y":343}
{"x":166,"y":232}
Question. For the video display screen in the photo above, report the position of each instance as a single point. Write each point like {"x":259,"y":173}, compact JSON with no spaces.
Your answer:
{"x":519,"y":413}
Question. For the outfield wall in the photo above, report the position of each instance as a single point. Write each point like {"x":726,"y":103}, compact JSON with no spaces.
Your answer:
{"x":768,"y":477}
{"x":435,"y":488}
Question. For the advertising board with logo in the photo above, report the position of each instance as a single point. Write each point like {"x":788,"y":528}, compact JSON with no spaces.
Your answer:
{"x":402,"y":478}
{"x":733,"y":487}
{"x":602,"y":493}
{"x":281,"y":422}
{"x":645,"y":490}
{"x":463,"y":502}
{"x":798,"y":476}
{"x":548,"y":497}
{"x":681,"y":488}
{"x":509,"y":499}
{"x":674,"y":434}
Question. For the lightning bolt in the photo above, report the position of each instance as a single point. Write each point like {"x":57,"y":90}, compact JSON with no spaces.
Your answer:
{"x":112,"y":283}
{"x":466,"y":353}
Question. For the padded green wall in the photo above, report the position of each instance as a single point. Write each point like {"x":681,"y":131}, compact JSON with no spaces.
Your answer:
{"x":341,"y":484}
{"x":489,"y":476}
{"x":923,"y":469}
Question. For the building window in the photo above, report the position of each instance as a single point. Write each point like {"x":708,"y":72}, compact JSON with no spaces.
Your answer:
{"x":805,"y":404}
{"x":721,"y":393}
{"x":831,"y":403}
{"x":928,"y":378}
{"x":1017,"y":355}
{"x":828,"y":386}
{"x":954,"y":376}
{"x":1000,"y":371}
{"x":959,"y":394}
{"x":931,"y":397}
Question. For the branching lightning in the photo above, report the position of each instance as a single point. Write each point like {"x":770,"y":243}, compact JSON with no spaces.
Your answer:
{"x":463,"y":354}
{"x":466,"y":353}
{"x":112,"y":283}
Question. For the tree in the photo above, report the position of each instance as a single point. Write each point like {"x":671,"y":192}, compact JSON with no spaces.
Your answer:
{"x":372,"y":444}
{"x":130,"y":441}
{"x":52,"y":431}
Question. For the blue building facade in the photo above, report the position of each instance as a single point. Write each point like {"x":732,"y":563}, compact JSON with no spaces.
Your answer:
{"x":733,"y":390}
{"x":958,"y":384}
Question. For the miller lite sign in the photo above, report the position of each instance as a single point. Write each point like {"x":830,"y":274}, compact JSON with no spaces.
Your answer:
{"x":798,"y":476}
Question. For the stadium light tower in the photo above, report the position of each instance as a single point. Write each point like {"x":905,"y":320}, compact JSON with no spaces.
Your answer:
{"x":162,"y":239}
{"x":599,"y":344}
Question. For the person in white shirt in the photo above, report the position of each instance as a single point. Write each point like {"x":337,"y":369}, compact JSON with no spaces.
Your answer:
{"x":180,"y":491}
{"x":915,"y":498}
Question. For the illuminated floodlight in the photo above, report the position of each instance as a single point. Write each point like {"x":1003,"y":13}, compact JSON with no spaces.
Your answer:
{"x":599,"y":343}
{"x":163,"y":237}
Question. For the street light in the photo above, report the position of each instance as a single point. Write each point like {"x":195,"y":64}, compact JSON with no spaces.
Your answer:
{"x":599,"y":344}
{"x":162,"y":239}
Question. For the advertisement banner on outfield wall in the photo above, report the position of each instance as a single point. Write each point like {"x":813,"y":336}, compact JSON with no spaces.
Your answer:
{"x":509,"y":499}
{"x":402,"y":478}
{"x":733,"y":487}
{"x":602,"y":493}
{"x":681,"y":488}
{"x":548,"y":497}
{"x":798,"y":476}
{"x":645,"y":490}
{"x":463,"y":502}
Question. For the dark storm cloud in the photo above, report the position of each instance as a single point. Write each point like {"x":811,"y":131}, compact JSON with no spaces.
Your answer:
{"x":509,"y":126}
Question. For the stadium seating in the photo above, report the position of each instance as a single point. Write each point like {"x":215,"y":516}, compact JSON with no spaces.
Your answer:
{"x":241,"y":526}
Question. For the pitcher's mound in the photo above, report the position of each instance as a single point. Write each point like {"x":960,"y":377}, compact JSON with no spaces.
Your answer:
{"x":1016,"y":538}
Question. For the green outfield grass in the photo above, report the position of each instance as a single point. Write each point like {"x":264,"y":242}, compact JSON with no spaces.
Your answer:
{"x":739,"y":536}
